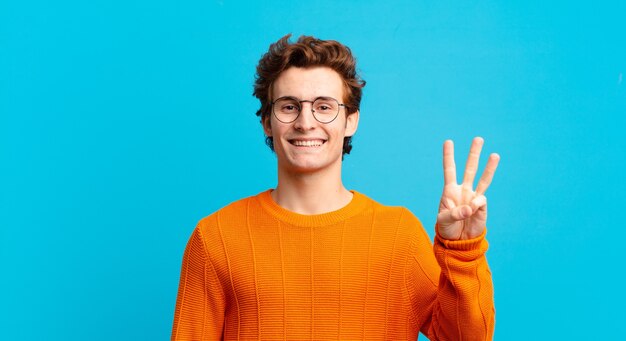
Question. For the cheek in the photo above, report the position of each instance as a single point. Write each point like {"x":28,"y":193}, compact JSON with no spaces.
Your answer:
{"x":276,"y":130}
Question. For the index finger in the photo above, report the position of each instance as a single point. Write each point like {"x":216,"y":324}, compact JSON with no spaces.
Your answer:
{"x":449,"y":168}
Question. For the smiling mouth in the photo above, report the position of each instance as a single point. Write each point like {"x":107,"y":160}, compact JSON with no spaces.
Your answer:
{"x":307,"y":143}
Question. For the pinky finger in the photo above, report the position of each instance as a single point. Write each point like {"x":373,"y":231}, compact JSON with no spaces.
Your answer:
{"x":480,"y":202}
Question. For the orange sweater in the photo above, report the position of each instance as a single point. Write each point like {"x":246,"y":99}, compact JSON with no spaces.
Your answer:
{"x":254,"y":270}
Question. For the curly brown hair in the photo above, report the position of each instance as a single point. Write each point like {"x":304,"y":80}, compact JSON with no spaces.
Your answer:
{"x":307,"y":51}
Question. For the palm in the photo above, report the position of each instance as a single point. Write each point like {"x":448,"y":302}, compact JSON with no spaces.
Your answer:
{"x":463,"y":209}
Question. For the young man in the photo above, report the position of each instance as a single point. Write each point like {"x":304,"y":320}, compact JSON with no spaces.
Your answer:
{"x":313,"y":260}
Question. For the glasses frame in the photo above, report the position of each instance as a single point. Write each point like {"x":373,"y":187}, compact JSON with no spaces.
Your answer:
{"x":312,"y":110}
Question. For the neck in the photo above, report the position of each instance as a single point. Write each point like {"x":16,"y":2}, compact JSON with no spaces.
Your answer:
{"x":311,"y":193}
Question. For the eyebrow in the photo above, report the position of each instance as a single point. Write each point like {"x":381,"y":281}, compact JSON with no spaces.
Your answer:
{"x":300,"y":100}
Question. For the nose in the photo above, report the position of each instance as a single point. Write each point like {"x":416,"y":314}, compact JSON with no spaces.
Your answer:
{"x":305,"y":120}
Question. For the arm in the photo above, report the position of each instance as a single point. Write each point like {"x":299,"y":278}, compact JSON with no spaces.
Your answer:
{"x":465,"y":280}
{"x":200,"y":303}
{"x":451,"y":289}
{"x":462,"y":307}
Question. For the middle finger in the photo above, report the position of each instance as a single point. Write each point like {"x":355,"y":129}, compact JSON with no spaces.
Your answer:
{"x":471,"y":167}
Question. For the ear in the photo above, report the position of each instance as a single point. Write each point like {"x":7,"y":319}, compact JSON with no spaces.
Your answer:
{"x":352,"y":122}
{"x":267,"y":125}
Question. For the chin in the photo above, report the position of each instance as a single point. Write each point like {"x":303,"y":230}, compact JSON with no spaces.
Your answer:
{"x":305,"y":167}
{"x":301,"y":165}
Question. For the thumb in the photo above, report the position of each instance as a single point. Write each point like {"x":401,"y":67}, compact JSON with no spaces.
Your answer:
{"x":453,"y":215}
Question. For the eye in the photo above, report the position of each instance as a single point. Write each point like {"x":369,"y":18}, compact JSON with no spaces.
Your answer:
{"x":289,"y":108}
{"x":325,"y":107}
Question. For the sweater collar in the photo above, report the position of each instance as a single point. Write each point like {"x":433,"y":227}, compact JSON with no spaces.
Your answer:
{"x":354,"y":207}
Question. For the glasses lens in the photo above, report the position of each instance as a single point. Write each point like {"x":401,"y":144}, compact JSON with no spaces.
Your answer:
{"x":286,"y":109}
{"x":325,"y":109}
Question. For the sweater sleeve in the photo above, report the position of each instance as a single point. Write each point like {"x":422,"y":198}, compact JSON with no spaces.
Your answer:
{"x":451,"y":288}
{"x":200,"y":304}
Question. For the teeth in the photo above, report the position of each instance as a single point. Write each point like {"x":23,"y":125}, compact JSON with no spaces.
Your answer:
{"x":314,"y":143}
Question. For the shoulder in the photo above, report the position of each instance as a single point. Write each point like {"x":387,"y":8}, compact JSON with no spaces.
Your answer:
{"x":232,"y":214}
{"x":403,"y":222}
{"x":400,"y":214}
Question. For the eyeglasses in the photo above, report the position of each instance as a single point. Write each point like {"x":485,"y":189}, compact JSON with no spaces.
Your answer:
{"x":324,"y":109}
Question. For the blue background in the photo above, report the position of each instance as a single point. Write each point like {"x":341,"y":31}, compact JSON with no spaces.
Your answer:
{"x":122,"y":123}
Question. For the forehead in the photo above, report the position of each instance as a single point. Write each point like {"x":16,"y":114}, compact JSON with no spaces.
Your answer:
{"x":308,"y":83}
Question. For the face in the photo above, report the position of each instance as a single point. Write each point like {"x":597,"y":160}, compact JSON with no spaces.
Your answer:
{"x":306,"y":145}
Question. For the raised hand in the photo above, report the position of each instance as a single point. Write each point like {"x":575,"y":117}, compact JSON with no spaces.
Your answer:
{"x":463,"y":210}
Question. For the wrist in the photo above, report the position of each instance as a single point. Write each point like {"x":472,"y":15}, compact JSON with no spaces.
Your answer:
{"x":460,"y":244}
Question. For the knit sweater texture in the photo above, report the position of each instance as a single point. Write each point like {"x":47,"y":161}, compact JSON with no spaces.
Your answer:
{"x":256,"y":271}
